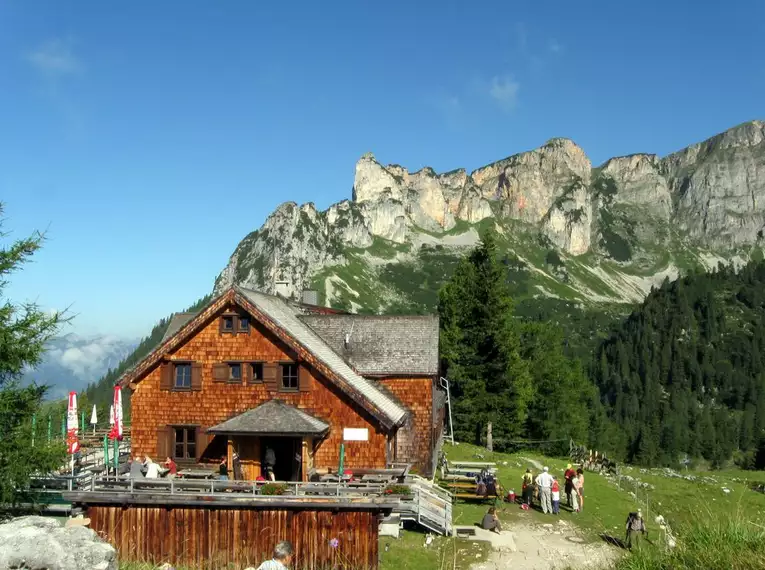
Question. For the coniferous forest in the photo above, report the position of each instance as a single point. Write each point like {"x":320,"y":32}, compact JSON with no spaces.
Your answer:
{"x":682,"y":377}
{"x":684,"y":374}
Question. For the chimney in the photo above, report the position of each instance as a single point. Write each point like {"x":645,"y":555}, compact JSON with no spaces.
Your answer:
{"x":282,"y":289}
{"x":309,"y":297}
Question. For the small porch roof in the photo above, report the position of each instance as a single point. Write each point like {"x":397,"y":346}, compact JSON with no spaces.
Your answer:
{"x":272,"y":418}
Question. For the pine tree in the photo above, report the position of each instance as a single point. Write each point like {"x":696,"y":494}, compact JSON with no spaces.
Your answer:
{"x":563,"y":394}
{"x":480,"y":348}
{"x":24,"y":330}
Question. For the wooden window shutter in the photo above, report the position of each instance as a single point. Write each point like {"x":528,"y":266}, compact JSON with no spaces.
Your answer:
{"x":201,"y":439}
{"x":270,"y":375}
{"x":304,"y":378}
{"x":246,"y":372}
{"x":164,"y":443}
{"x":220,"y":372}
{"x":166,"y":376}
{"x":196,"y":376}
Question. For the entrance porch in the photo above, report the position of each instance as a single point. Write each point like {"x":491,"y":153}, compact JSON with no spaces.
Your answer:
{"x":273,"y":436}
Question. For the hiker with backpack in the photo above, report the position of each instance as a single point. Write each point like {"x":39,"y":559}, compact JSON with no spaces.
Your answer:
{"x":635,"y":529}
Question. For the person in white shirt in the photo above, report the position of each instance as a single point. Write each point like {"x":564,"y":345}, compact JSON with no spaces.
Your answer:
{"x":544,"y":484}
{"x":152,"y":469}
{"x":283,"y":553}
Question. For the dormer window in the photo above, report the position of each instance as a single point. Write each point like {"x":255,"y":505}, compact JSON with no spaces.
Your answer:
{"x":234,"y":323}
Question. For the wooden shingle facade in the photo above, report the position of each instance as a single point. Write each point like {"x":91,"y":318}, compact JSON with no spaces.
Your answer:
{"x":252,"y":372}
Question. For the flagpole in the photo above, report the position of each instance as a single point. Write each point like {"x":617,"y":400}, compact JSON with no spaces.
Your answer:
{"x":106,"y":454}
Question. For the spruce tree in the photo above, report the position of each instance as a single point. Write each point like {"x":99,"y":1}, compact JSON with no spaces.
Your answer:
{"x":24,"y":330}
{"x":480,"y":348}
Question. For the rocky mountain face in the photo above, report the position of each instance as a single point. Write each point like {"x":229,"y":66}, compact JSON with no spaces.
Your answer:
{"x":605,"y":233}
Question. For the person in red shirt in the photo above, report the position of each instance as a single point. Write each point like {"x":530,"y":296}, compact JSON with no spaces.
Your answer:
{"x":555,"y":496}
{"x":173,"y":468}
{"x":568,"y":485}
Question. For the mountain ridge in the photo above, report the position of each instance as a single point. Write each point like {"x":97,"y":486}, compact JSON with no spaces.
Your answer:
{"x":605,"y":233}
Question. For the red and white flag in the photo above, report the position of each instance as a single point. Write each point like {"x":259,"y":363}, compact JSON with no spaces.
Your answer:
{"x":72,"y":443}
{"x":116,"y":419}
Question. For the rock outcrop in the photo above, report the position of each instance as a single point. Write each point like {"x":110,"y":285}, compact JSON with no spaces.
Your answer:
{"x":713,"y":191}
{"x":42,"y":543}
{"x":719,"y":186}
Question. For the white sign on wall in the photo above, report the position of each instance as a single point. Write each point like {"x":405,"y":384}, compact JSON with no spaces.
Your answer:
{"x":355,"y":434}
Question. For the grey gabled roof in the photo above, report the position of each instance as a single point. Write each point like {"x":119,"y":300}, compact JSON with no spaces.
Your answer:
{"x":380,"y":344}
{"x":286,"y":316}
{"x":176,"y":323}
{"x":272,"y":418}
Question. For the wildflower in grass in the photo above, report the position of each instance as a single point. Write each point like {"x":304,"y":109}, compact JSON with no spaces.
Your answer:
{"x":334,"y":543}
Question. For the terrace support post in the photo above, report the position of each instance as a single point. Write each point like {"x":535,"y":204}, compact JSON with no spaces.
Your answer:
{"x":230,"y":456}
{"x":489,"y":442}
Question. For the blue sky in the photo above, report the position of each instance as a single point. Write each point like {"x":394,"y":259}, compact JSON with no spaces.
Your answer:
{"x":148,"y":138}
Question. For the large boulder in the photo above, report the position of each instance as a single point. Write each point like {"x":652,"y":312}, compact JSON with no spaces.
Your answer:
{"x":39,"y":543}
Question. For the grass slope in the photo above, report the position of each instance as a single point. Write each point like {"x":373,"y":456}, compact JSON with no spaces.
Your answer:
{"x":682,"y":503}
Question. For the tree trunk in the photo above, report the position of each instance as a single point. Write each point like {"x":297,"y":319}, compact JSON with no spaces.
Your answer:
{"x":489,"y":443}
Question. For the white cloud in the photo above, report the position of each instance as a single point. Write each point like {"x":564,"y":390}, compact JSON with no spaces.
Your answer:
{"x":504,"y":91}
{"x":55,"y":58}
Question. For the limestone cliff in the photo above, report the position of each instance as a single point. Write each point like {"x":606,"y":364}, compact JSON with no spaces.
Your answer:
{"x":706,"y":199}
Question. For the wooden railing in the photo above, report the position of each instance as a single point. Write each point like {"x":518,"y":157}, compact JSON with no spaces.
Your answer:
{"x":216,"y":487}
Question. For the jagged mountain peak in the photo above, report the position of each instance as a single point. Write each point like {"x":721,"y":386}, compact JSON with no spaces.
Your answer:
{"x":628,"y":212}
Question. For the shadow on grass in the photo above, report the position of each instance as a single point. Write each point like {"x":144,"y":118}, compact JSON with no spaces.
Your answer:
{"x":613,"y":540}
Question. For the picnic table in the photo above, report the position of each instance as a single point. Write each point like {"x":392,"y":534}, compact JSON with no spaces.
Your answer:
{"x":196,"y":474}
{"x":467,"y":491}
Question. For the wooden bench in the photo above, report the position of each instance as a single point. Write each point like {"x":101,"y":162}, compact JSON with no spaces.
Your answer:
{"x":473,"y":497}
{"x":467,"y":491}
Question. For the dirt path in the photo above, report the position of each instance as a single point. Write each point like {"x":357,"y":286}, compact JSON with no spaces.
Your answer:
{"x":533,"y":462}
{"x":545,"y":547}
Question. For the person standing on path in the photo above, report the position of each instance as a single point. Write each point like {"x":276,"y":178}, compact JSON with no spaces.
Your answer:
{"x":635,"y":529}
{"x":568,"y":486}
{"x":527,"y":489}
{"x":544,"y":484}
{"x":580,"y":487}
{"x":574,"y":494}
{"x":555,"y":496}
